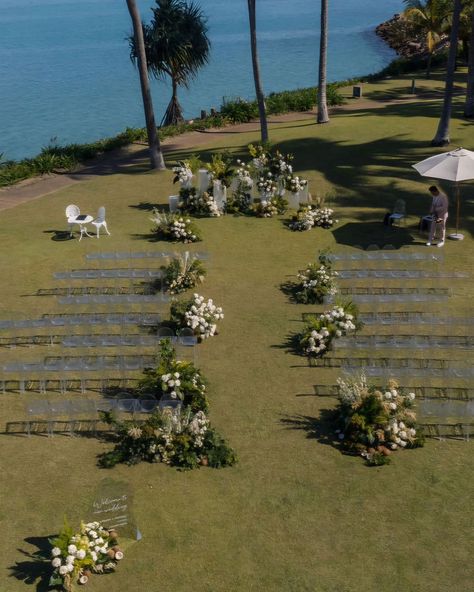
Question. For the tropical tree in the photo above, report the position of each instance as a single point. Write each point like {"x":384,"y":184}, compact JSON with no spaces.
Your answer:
{"x":469,"y":104}
{"x":323,"y":116}
{"x":156,"y":155}
{"x":442,"y":135}
{"x":256,"y":71}
{"x":177,"y":46}
{"x":430,"y":19}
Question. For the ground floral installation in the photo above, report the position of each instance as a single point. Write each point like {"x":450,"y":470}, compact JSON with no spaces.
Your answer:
{"x":199,"y":314}
{"x":375,"y":422}
{"x":175,"y":379}
{"x":316,"y":339}
{"x":175,"y":228}
{"x":195,"y":204}
{"x":76,"y":556}
{"x":176,"y":437}
{"x":315,"y":282}
{"x":309,"y":216}
{"x":182,"y":273}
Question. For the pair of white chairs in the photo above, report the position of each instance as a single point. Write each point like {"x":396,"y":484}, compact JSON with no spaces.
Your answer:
{"x":73,"y":215}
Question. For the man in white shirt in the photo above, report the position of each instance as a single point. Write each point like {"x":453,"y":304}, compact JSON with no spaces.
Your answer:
{"x":439,"y":214}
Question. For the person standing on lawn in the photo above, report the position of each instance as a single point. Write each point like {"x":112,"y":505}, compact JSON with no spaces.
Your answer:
{"x":439,"y":214}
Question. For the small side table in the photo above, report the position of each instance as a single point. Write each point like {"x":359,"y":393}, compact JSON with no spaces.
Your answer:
{"x":81,"y":220}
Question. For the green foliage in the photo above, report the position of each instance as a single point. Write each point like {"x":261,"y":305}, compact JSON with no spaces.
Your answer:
{"x":240,"y":111}
{"x":220,"y":167}
{"x":181,"y":274}
{"x":174,"y":228}
{"x":315,"y":282}
{"x":219,"y":453}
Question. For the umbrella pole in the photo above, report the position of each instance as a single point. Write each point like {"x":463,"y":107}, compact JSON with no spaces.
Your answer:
{"x":457,"y":235}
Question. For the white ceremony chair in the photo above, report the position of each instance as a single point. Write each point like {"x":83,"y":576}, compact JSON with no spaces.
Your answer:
{"x":399,"y":212}
{"x":100,"y":221}
{"x":72,"y":212}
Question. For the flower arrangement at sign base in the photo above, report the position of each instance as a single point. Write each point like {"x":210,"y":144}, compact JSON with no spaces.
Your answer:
{"x":176,"y":379}
{"x":294,"y":184}
{"x":181,"y":274}
{"x":199,"y":314}
{"x":178,"y":438}
{"x":242,"y":184}
{"x":375,"y":422}
{"x":316,"y":338}
{"x":315,"y":282}
{"x":199,"y":205}
{"x":183,"y":173}
{"x":76,"y":556}
{"x":173,"y":227}
{"x":309,"y":216}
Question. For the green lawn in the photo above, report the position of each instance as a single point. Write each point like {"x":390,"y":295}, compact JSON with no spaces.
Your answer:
{"x":294,"y":514}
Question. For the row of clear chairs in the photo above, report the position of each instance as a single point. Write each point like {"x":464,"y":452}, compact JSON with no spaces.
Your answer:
{"x":444,"y":431}
{"x":427,"y":408}
{"x":395,"y":290}
{"x":93,"y":274}
{"x":185,"y":337}
{"x":114,"y":299}
{"x":388,"y":253}
{"x":414,"y":274}
{"x":389,"y":298}
{"x":386,"y":373}
{"x":102,"y":383}
{"x":124,"y":255}
{"x":405,"y":341}
{"x":82,"y":363}
{"x":425,"y":392}
{"x":412,"y":318}
{"x":72,"y":415}
{"x":393,"y":363}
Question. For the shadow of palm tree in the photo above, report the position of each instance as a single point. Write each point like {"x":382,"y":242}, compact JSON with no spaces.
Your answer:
{"x":319,"y":428}
{"x":36,"y":569}
{"x":147,"y":206}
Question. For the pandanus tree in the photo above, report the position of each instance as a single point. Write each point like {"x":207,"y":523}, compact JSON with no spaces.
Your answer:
{"x":430,"y":19}
{"x":323,"y":116}
{"x":177,"y":46}
{"x":256,"y":71}
{"x":156,"y":155}
{"x":442,"y":135}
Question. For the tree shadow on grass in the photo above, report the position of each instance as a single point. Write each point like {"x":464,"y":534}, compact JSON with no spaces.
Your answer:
{"x":35,"y":570}
{"x":59,"y":235}
{"x":363,"y":234}
{"x":147,"y":206}
{"x":319,"y":428}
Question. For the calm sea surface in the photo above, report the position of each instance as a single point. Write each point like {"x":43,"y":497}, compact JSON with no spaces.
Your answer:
{"x":65,"y":71}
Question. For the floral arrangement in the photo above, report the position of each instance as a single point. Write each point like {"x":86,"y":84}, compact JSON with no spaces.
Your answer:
{"x":76,"y":556}
{"x":259,"y":157}
{"x":316,"y":281}
{"x":279,"y":164}
{"x":198,"y":314}
{"x":177,"y":438}
{"x":375,"y":422}
{"x":182,"y":273}
{"x":183,"y":173}
{"x":324,"y":217}
{"x":309,"y":216}
{"x":267,"y":187}
{"x":316,"y":338}
{"x":266,"y":208}
{"x":294,"y":184}
{"x":177,"y":379}
{"x":174,"y":227}
{"x":220,"y":168}
{"x":193,"y":203}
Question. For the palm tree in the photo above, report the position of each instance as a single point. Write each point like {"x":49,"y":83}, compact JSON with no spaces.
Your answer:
{"x":442,"y":135}
{"x":469,"y":104}
{"x":323,"y":116}
{"x":256,"y":71}
{"x":176,"y":45}
{"x":429,"y":19}
{"x":156,"y":155}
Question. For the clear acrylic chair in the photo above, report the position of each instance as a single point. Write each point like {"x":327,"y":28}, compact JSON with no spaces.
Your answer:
{"x":100,"y":221}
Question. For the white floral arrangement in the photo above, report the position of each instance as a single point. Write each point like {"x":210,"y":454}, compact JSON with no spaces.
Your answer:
{"x":183,"y":173}
{"x":182,"y":273}
{"x":243,"y":176}
{"x":376,"y":421}
{"x":174,"y":227}
{"x":76,"y":556}
{"x":200,"y":204}
{"x":266,"y":208}
{"x":324,"y":217}
{"x":267,"y":187}
{"x":316,"y":339}
{"x":315,"y":282}
{"x":202,"y":316}
{"x":294,"y":184}
{"x":304,"y":220}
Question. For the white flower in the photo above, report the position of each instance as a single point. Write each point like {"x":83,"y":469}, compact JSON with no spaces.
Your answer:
{"x":71,"y":549}
{"x":63,"y":570}
{"x":403,"y":435}
{"x":81,"y":554}
{"x":70,"y":559}
{"x":83,"y":579}
{"x":393,"y":406}
{"x":55,"y":551}
{"x":94,"y":556}
{"x":411,"y":396}
{"x":402,"y":443}
{"x":118,"y":555}
{"x":93,"y":534}
{"x":56,"y":562}
{"x":70,"y":567}
{"x":388,"y":395}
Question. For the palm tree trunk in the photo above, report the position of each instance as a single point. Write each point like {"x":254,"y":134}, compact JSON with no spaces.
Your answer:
{"x":428,"y":64}
{"x":256,"y":71}
{"x":469,"y":104}
{"x":323,"y":116}
{"x":156,"y":155}
{"x":174,"y":112}
{"x":442,"y":135}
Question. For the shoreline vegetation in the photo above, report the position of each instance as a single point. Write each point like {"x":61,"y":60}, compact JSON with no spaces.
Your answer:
{"x":57,"y":159}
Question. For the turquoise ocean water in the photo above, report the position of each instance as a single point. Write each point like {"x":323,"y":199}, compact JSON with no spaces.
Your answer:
{"x":65,"y":70}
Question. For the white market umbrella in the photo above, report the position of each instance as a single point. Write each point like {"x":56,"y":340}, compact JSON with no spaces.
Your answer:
{"x":457,"y":166}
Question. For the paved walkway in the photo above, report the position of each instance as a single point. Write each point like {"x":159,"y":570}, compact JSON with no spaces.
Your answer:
{"x":116,"y":161}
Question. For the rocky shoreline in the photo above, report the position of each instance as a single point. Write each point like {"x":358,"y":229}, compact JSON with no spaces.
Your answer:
{"x":398,"y":33}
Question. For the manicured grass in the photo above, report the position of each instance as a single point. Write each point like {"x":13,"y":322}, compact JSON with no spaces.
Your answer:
{"x":294,"y":514}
